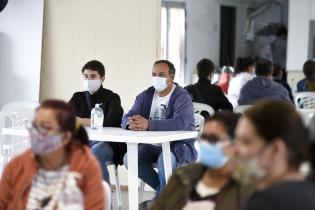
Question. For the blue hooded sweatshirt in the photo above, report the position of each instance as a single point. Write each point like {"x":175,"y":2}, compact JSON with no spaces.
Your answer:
{"x":179,"y":117}
{"x":261,"y":88}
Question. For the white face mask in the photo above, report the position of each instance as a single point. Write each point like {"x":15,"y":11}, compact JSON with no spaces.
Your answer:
{"x":92,"y":85}
{"x":159,"y":83}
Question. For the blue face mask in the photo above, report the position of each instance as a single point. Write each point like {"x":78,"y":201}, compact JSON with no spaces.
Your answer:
{"x":211,"y":155}
{"x":159,"y":83}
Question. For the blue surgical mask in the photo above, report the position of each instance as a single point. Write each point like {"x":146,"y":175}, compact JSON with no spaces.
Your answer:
{"x":212,"y":155}
{"x":159,"y":83}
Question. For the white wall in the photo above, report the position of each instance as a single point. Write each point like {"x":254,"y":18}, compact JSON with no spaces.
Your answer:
{"x":300,"y":14}
{"x":203,"y":30}
{"x":124,"y":35}
{"x":21,"y":24}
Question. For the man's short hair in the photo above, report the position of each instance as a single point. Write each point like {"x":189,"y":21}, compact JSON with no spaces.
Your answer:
{"x":263,"y":67}
{"x":204,"y":68}
{"x":171,"y":66}
{"x":94,"y":65}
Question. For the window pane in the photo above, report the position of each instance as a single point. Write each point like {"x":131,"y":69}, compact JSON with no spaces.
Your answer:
{"x":176,"y":41}
{"x":173,"y":37}
{"x":163,"y":33}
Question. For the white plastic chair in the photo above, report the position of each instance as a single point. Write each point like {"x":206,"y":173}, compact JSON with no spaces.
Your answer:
{"x":199,"y":123}
{"x":15,"y":114}
{"x":242,"y":109}
{"x":108,"y":196}
{"x":200,"y":107}
{"x":117,"y":184}
{"x":306,"y":114}
{"x":305,"y":100}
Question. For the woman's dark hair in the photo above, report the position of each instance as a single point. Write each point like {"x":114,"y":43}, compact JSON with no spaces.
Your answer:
{"x":242,"y":64}
{"x":227,"y":119}
{"x":205,"y":67}
{"x":94,"y":65}
{"x":309,"y":69}
{"x":66,"y":119}
{"x":311,"y":127}
{"x":275,"y":119}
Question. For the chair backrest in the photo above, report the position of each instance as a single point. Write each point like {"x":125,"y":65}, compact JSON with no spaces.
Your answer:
{"x":15,"y":114}
{"x":305,"y":100}
{"x":200,"y":107}
{"x":241,"y":109}
{"x":19,"y":112}
{"x":199,"y":123}
{"x":108,"y":196}
{"x":306,"y":114}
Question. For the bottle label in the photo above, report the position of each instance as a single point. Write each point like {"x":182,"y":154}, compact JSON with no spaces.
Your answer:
{"x":98,"y":120}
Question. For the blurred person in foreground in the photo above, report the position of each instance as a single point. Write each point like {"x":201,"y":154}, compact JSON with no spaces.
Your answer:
{"x":271,"y":144}
{"x":39,"y":177}
{"x":208,"y":184}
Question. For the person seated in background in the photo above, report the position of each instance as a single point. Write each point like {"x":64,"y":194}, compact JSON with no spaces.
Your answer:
{"x":204,"y":92}
{"x":262,"y":86}
{"x":83,"y":102}
{"x":271,"y":144}
{"x":277,"y":75}
{"x":244,"y":70}
{"x":307,"y":84}
{"x":164,"y":107}
{"x":37,"y":178}
{"x":208,"y":184}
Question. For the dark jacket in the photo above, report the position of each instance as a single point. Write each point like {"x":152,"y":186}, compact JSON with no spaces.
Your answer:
{"x":288,"y":195}
{"x":287,"y":86}
{"x":204,"y":92}
{"x":112,"y":109}
{"x":305,"y":85}
{"x":261,"y":88}
{"x":179,"y":117}
{"x":183,"y":182}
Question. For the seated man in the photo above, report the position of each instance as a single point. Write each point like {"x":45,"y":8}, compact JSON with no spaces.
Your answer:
{"x":83,"y":102}
{"x":262,"y":86}
{"x":163,"y":107}
{"x":204,"y":92}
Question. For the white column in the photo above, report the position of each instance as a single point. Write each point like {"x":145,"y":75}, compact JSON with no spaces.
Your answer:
{"x":298,"y":34}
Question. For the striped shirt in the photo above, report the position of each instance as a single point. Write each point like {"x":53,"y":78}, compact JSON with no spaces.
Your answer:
{"x":46,"y":186}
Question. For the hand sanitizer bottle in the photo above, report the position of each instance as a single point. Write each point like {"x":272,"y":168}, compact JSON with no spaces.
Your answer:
{"x":97,"y":117}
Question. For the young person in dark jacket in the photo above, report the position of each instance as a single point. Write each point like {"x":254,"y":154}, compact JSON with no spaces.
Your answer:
{"x":83,"y":102}
{"x":204,"y":92}
{"x":163,"y":107}
{"x":277,"y":75}
{"x":272,"y":143}
{"x":208,"y":184}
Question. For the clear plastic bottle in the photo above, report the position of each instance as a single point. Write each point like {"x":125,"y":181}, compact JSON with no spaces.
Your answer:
{"x":71,"y":197}
{"x":97,"y":117}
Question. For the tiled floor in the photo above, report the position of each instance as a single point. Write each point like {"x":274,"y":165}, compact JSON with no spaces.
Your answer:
{"x":146,"y":196}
